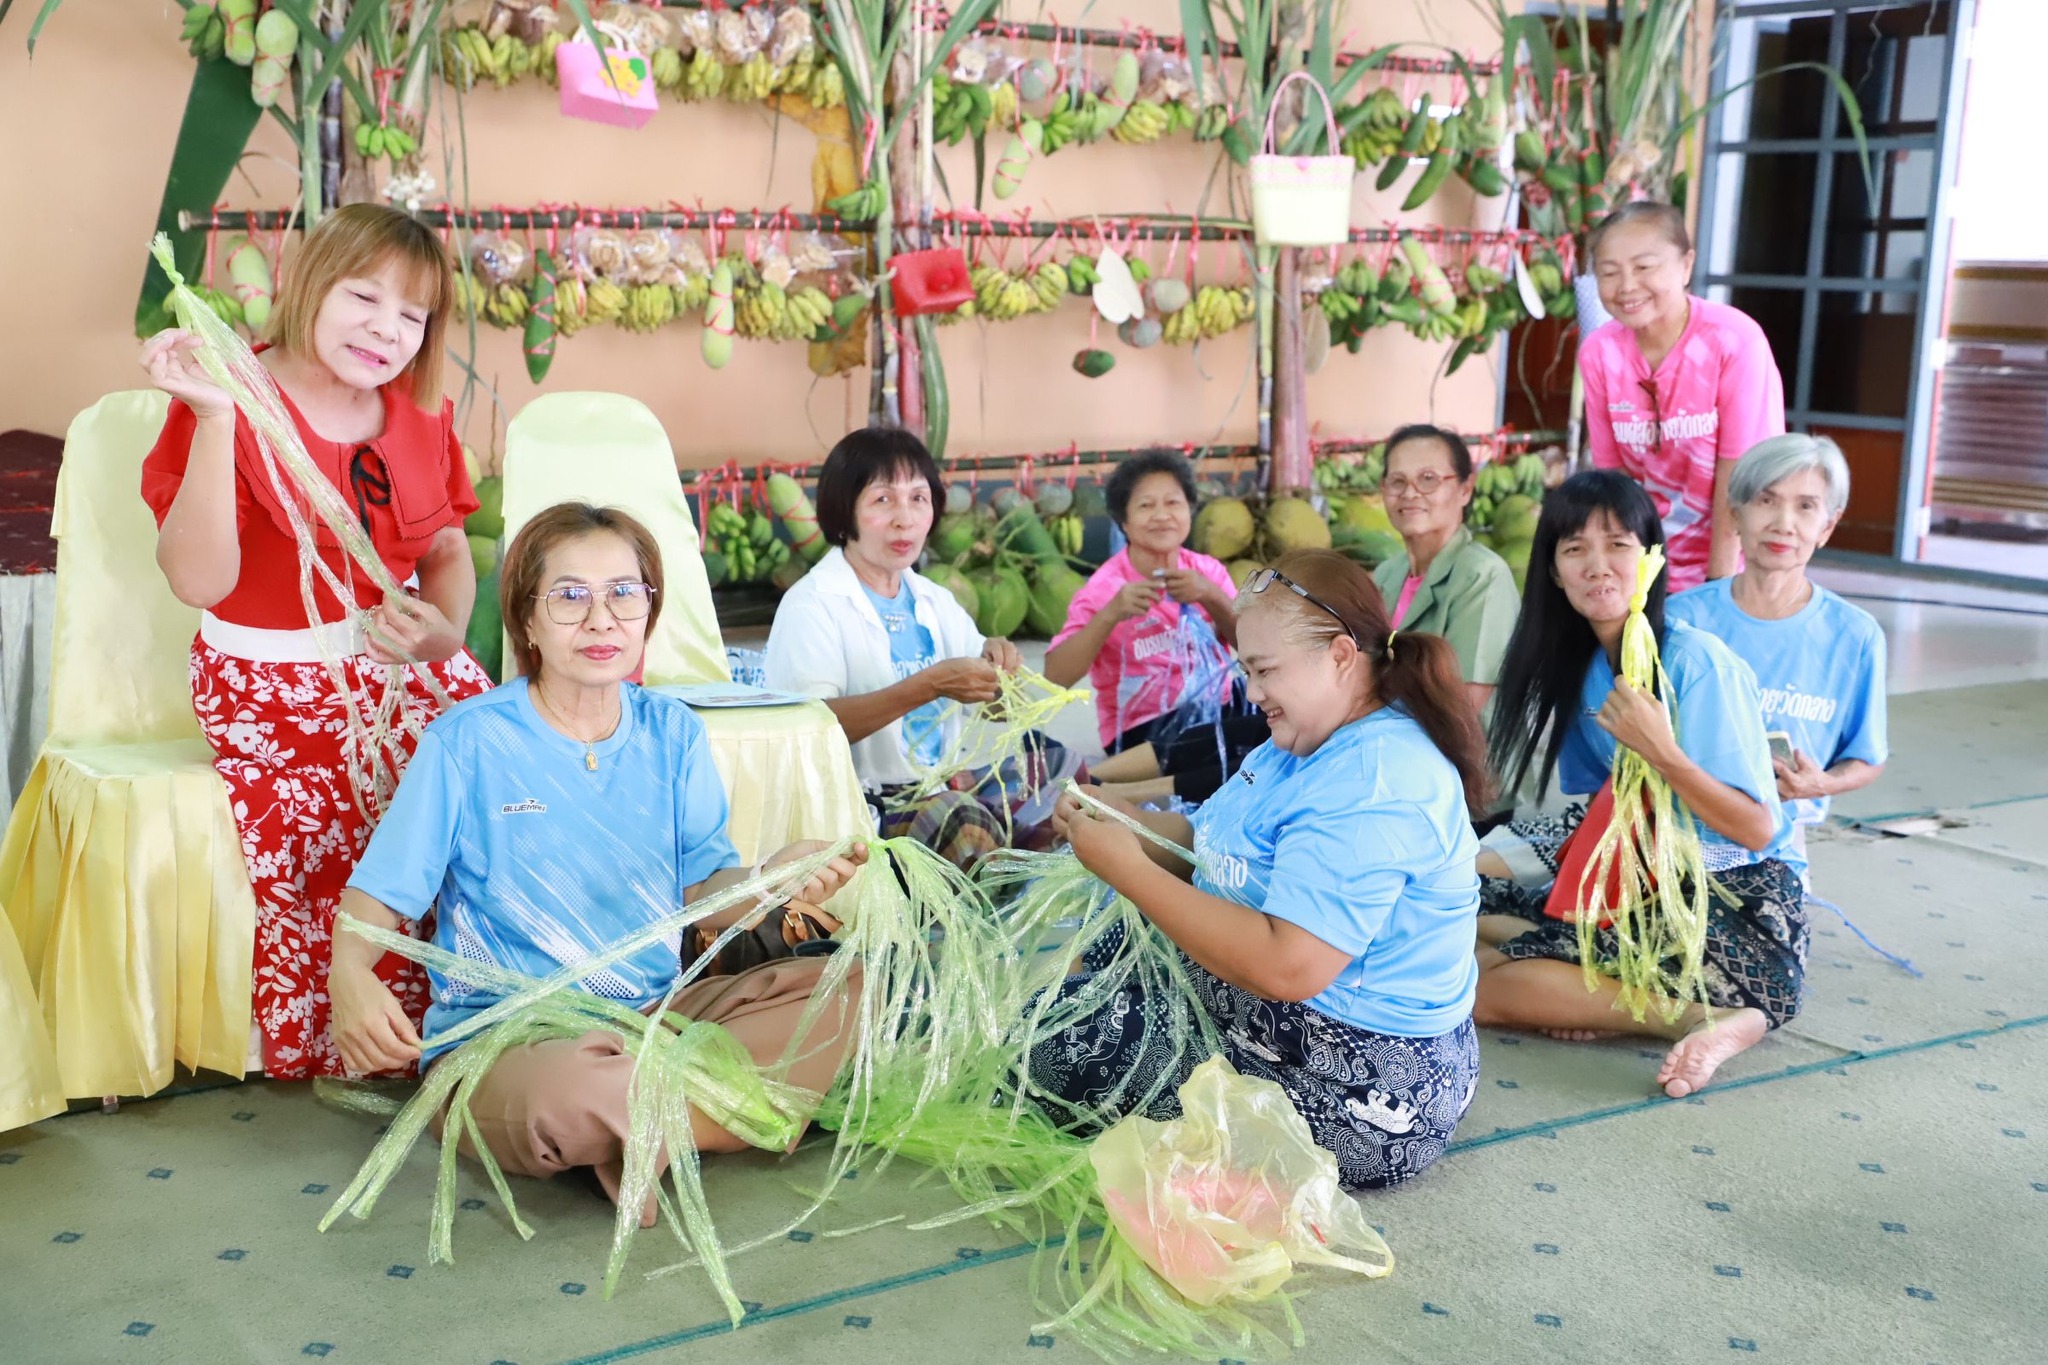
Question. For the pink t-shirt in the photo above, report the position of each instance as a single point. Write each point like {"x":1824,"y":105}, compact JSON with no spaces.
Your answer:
{"x":1142,"y":668}
{"x":1409,"y":587}
{"x":1717,"y":394}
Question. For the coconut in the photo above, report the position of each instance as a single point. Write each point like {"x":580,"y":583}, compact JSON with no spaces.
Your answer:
{"x":1223,"y":529}
{"x":1363,"y":513}
{"x":1005,"y":598}
{"x":1291,"y":524}
{"x":483,"y":555}
{"x":1055,"y":499}
{"x":1168,"y":296}
{"x":1516,"y":553}
{"x":1005,"y":500}
{"x":952,"y":537}
{"x":959,"y":498}
{"x":1143,"y":333}
{"x":957,"y":583}
{"x":1241,"y":569}
{"x":1377,"y":547}
{"x":1035,"y":79}
{"x":1515,"y":517}
{"x":1052,"y":592}
{"x":1090,"y":501}
{"x":488,"y":520}
{"x":485,"y":637}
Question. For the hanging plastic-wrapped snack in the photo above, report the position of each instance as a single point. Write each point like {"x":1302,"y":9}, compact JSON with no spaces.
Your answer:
{"x":496,"y":261}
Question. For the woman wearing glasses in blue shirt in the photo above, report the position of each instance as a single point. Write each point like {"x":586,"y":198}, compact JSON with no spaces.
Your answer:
{"x":1328,"y":919}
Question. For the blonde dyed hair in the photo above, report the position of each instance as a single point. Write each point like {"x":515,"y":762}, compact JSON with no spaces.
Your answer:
{"x":355,"y":242}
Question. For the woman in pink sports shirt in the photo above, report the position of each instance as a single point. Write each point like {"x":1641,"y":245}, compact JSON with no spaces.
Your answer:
{"x":1677,"y":387}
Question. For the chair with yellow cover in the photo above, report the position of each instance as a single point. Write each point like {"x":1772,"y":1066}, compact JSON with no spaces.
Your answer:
{"x":788,"y":771}
{"x":608,"y":449}
{"x":121,"y":872}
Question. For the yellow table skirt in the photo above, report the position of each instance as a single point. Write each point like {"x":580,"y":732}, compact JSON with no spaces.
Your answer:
{"x":131,"y":924}
{"x":123,"y":879}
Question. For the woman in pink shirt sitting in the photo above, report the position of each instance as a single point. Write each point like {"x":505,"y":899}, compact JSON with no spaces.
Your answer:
{"x":1151,"y":630}
{"x":1677,"y":387}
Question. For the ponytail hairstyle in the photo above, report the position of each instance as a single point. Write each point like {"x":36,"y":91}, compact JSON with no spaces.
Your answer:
{"x":1544,"y":671}
{"x":1417,"y":673}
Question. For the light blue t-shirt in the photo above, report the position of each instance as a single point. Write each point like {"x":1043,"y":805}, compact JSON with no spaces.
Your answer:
{"x":1366,"y":844}
{"x":1820,"y":673}
{"x":534,"y":860}
{"x":1718,"y":723}
{"x":911,"y":651}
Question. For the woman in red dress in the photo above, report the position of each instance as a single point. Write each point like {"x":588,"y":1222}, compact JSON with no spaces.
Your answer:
{"x":355,"y":351}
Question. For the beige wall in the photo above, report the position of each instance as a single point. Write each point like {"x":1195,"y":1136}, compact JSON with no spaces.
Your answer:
{"x":86,"y":132}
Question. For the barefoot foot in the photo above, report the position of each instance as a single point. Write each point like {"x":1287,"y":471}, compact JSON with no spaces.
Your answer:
{"x":1691,"y":1063}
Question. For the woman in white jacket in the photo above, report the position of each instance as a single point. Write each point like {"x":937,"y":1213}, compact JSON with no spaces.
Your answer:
{"x":886,"y":648}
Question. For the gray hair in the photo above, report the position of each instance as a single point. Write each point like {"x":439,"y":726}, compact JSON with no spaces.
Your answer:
{"x":1780,"y":457}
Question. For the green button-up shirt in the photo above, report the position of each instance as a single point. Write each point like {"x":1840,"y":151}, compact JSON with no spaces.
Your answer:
{"x":1469,"y":598}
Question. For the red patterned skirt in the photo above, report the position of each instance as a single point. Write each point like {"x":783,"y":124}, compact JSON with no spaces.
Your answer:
{"x":279,"y":733}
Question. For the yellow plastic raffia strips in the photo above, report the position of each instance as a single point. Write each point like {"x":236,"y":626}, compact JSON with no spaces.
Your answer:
{"x":1651,"y":850}
{"x":305,"y":492}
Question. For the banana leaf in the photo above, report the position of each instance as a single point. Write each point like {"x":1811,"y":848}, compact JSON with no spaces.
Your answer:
{"x":219,"y":117}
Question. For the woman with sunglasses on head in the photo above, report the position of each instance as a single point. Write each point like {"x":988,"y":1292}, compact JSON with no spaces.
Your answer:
{"x":547,"y":820}
{"x":1327,"y":921}
{"x":1443,"y":582}
{"x":1705,"y":738}
{"x":1677,"y":387}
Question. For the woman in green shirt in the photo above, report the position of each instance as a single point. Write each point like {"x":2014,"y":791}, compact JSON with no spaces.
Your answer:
{"x":1444,"y":583}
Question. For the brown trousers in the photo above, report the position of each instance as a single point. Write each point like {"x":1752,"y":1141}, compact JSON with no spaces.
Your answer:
{"x":547,"y":1107}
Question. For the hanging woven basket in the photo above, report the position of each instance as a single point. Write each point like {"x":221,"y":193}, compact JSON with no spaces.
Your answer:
{"x":1301,"y":200}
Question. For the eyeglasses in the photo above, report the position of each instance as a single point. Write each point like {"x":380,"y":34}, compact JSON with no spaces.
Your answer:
{"x":1262,"y":579}
{"x":1425,"y":483}
{"x":570,"y":606}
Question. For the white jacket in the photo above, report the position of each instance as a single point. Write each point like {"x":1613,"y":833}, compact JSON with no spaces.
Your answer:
{"x":829,"y":641}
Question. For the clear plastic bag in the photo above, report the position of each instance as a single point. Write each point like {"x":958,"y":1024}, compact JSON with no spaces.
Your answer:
{"x":1227,"y":1200}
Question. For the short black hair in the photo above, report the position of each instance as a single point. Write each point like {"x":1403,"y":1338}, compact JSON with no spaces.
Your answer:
{"x":1124,"y":481}
{"x":861,"y":458}
{"x":1461,"y":455}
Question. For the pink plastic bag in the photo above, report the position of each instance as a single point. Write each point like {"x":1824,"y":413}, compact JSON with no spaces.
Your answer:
{"x":616,"y":87}
{"x":1227,"y":1200}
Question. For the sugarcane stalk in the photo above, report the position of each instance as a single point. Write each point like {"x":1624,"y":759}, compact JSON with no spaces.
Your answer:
{"x":1292,"y":464}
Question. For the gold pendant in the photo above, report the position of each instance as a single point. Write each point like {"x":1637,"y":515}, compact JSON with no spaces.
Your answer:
{"x":590,"y":759}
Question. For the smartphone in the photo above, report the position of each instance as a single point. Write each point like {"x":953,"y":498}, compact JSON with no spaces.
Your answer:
{"x":1781,"y":745}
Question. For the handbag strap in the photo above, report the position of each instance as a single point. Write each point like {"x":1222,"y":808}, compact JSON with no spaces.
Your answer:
{"x":1273,"y":109}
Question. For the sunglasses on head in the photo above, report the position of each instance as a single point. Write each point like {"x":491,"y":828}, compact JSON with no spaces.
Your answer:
{"x":1262,"y":579}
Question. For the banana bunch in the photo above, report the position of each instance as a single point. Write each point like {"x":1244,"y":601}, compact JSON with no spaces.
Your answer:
{"x":1498,"y":480}
{"x":467,"y":57}
{"x":572,"y":305}
{"x":795,"y":78}
{"x":760,"y":308}
{"x":1486,"y":132}
{"x":471,"y":295}
{"x":1067,"y":531}
{"x":1377,"y":127}
{"x":649,"y":307}
{"x":1003,"y":105}
{"x":751,"y":81}
{"x":828,"y":85}
{"x":1050,"y":282}
{"x":666,"y":66}
{"x":1336,"y":474}
{"x":960,"y":111}
{"x":692,"y":294}
{"x":205,"y":32}
{"x":1214,"y":311}
{"x":863,"y":205}
{"x":384,"y":139}
{"x":1064,"y":123}
{"x":746,"y":540}
{"x":506,"y":306}
{"x":1082,"y":276}
{"x":603,"y":301}
{"x":810,"y":311}
{"x":1209,"y":122}
{"x":1145,"y":121}
{"x":704,"y":77}
{"x":1001,"y":296}
{"x":544,"y":57}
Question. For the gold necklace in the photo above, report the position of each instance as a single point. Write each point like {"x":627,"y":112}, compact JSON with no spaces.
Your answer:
{"x":562,"y":723}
